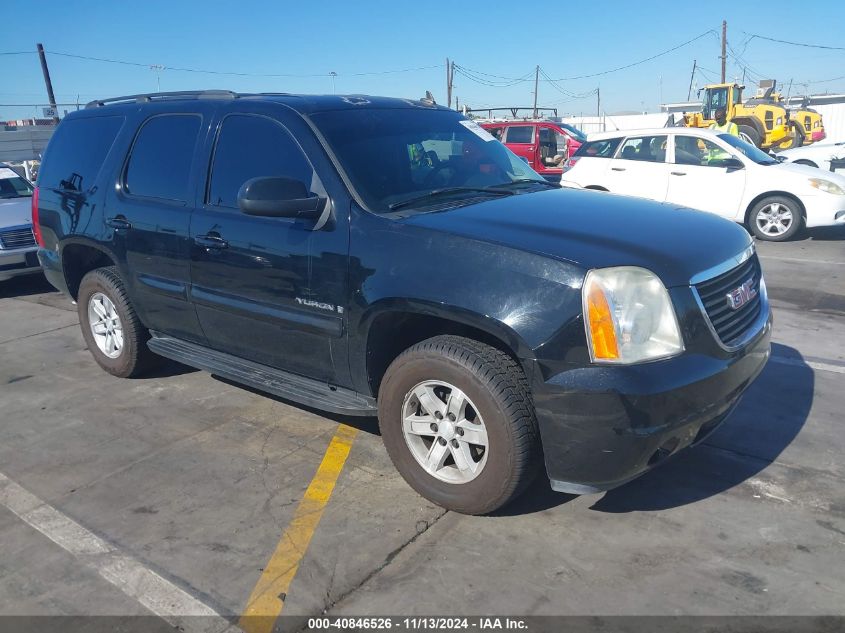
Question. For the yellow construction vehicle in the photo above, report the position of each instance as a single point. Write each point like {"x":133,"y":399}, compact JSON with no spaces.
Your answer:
{"x":808,"y":122}
{"x":760,"y":120}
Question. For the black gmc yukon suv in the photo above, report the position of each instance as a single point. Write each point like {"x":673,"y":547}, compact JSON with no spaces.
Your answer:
{"x":366,"y":255}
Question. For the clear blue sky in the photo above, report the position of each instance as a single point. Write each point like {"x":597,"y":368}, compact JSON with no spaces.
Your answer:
{"x":321,"y":36}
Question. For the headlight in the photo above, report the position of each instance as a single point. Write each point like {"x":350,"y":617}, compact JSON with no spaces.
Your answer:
{"x":827,"y":186}
{"x":628,"y":316}
{"x":779,"y":121}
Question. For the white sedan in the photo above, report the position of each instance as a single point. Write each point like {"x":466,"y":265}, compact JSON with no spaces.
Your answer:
{"x":816,"y":155}
{"x":713,"y":172}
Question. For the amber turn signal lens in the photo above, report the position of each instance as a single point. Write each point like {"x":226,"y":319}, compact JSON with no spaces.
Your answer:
{"x":602,"y":332}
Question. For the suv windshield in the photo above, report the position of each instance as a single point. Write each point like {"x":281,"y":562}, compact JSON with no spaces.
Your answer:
{"x":759,"y":157}
{"x":12,"y":185}
{"x":395,"y":155}
{"x":576,"y":133}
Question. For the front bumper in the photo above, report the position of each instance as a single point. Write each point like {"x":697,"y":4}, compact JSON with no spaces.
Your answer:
{"x":602,"y":426}
{"x":19,"y":261}
{"x":824,"y":209}
{"x":817,"y":135}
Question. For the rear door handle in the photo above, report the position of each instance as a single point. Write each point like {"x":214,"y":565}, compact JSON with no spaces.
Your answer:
{"x":617,"y":168}
{"x":118,"y":222}
{"x":679,"y":173}
{"x":211,"y":241}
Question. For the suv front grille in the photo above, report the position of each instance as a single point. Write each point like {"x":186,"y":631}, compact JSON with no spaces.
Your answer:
{"x":731,"y":324}
{"x":17,"y":238}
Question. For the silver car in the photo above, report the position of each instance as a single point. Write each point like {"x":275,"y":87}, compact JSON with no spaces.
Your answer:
{"x":18,"y":251}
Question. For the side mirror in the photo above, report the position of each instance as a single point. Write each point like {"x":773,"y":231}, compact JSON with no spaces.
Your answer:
{"x":733,"y":164}
{"x":277,"y":197}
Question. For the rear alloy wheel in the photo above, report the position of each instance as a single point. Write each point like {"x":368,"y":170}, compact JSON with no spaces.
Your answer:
{"x":458,"y":423}
{"x":111,"y":329}
{"x":776,"y":219}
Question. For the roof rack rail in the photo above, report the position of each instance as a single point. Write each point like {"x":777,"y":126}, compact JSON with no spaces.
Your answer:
{"x":162,"y":96}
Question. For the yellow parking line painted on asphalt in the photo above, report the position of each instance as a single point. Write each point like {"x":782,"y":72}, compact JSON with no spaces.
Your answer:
{"x":267,"y":600}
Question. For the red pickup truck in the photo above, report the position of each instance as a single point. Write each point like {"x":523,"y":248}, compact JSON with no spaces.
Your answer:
{"x":544,"y":144}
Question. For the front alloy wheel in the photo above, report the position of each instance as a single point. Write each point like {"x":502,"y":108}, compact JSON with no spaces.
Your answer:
{"x":444,"y":432}
{"x":775,"y":219}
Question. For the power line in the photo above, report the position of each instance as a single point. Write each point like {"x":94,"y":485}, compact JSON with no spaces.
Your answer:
{"x":642,"y":61}
{"x":772,"y":39}
{"x":234,"y":74}
{"x":19,"y":53}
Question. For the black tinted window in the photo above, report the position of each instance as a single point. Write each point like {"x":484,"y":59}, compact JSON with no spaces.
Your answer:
{"x":251,"y":147}
{"x":76,"y":152}
{"x":160,"y":163}
{"x":599,"y":149}
{"x":519,"y":134}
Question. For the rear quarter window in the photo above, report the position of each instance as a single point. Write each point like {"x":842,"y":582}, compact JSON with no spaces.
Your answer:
{"x":604,"y":148}
{"x":77,"y":151}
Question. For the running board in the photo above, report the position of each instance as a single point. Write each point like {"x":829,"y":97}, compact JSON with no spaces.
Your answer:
{"x":312,"y":393}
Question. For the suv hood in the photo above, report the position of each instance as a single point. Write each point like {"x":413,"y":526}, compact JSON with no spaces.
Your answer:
{"x":594,"y":229}
{"x":15,"y":212}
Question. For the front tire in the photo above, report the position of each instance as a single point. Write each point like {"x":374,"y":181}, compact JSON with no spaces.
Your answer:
{"x":776,"y":219}
{"x":458,"y":423}
{"x":110,"y":326}
{"x":752,"y":135}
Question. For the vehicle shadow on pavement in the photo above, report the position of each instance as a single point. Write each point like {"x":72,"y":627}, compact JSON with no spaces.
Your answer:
{"x":767,"y":420}
{"x":24,"y":286}
{"x":825,"y":234}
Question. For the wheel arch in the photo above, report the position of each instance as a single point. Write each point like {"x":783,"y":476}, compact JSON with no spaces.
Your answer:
{"x":751,"y":122}
{"x":80,"y":257}
{"x":769,"y":194}
{"x":392,"y":327}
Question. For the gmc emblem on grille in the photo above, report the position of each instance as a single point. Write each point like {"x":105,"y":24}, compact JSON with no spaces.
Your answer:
{"x":738,"y":297}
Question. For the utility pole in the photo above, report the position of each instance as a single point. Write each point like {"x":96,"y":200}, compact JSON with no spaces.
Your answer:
{"x":49,"y":83}
{"x":598,"y":102}
{"x":724,"y":47}
{"x":692,"y":78}
{"x":536,"y":84}
{"x":449,"y":72}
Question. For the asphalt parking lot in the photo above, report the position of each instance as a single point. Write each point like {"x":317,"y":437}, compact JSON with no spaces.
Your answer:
{"x":199,"y":482}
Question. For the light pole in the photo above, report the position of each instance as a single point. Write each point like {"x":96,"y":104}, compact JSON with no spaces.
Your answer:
{"x":333,"y":75}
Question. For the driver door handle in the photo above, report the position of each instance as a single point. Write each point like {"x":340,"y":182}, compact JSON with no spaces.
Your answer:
{"x":678,"y":173}
{"x":617,"y":168}
{"x":211,"y":241}
{"x":118,"y":222}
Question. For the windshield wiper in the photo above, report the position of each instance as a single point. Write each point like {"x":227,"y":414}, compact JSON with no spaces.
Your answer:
{"x":447,"y":191}
{"x":524,"y":181}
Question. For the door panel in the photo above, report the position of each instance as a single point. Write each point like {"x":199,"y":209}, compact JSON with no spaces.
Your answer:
{"x":696,"y":179}
{"x":253,"y":279}
{"x":149,"y":214}
{"x":640,"y":168}
{"x":520,"y":139}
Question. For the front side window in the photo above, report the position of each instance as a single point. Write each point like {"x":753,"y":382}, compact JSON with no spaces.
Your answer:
{"x":251,"y":146}
{"x":691,"y":150}
{"x":650,"y":149}
{"x":577,"y":134}
{"x":160,"y":159}
{"x":520,"y":134}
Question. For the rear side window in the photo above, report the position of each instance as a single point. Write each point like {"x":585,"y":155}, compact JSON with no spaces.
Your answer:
{"x":77,"y":151}
{"x":604,"y":148}
{"x":160,"y":159}
{"x":250,"y":147}
{"x":519,"y":134}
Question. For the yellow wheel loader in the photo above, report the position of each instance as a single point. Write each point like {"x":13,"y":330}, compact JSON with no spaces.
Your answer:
{"x":760,"y":120}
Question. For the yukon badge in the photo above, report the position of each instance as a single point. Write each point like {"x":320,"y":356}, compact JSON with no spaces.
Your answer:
{"x":738,"y":297}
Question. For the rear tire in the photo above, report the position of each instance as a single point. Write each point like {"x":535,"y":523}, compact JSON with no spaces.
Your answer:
{"x":752,"y":134}
{"x":110,"y":326}
{"x":776,"y":219}
{"x":450,"y":379}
